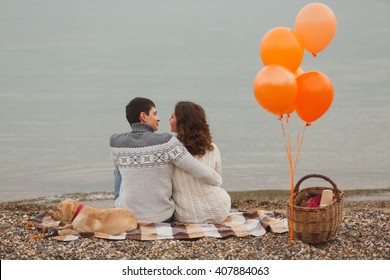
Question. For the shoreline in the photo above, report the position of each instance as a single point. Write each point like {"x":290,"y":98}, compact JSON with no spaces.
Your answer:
{"x":349,"y":195}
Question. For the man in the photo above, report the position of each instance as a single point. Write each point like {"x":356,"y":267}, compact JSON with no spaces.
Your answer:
{"x":146,"y":161}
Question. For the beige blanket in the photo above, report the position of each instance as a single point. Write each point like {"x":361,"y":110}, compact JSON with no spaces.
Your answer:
{"x":239,"y":223}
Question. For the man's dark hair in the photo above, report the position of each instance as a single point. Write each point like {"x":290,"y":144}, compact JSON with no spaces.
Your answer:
{"x":136,"y":107}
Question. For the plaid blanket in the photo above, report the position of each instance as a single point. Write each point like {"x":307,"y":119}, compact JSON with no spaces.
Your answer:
{"x":239,"y":223}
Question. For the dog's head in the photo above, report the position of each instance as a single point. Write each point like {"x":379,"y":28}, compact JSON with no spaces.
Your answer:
{"x":65,"y":211}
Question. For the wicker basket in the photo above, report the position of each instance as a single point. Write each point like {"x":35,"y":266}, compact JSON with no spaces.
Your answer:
{"x":316,"y":225}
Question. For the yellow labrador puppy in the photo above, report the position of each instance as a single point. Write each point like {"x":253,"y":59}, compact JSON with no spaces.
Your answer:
{"x":80,"y":218}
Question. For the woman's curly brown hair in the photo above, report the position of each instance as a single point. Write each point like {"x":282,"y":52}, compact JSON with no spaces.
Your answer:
{"x":192,"y":128}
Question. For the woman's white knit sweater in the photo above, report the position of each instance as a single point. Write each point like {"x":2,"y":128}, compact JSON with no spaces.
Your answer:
{"x":197,"y":202}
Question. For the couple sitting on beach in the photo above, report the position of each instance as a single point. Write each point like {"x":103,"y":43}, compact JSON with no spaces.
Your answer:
{"x":162,"y":178}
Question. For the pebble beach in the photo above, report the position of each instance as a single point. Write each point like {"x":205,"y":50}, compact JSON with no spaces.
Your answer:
{"x":363,"y":235}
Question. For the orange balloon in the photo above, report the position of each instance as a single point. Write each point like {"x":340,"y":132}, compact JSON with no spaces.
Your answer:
{"x":290,"y":110}
{"x":315,"y":95}
{"x":315,"y":25}
{"x":281,"y":46}
{"x":275,"y":89}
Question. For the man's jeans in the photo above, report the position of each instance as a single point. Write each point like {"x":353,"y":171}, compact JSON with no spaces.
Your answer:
{"x":117,"y":183}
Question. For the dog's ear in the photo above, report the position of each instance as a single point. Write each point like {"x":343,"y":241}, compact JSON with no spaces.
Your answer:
{"x":67,"y":209}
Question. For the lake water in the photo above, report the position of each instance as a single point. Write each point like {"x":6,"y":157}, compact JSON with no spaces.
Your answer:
{"x":68,"y":68}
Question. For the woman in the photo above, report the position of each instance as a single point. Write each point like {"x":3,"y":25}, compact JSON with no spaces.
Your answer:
{"x":196,"y":202}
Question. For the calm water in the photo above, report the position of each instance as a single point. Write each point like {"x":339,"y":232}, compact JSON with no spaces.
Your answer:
{"x":68,"y":68}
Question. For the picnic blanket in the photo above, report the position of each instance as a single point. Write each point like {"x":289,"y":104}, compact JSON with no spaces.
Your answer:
{"x":239,"y":223}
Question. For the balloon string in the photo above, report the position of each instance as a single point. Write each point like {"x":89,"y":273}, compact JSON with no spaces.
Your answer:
{"x":287,"y":118}
{"x":292,"y":172}
{"x":299,"y":147}
{"x":289,"y":157}
{"x":281,"y":123}
{"x":292,"y":167}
